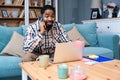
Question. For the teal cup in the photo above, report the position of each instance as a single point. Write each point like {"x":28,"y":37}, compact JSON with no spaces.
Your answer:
{"x":63,"y":71}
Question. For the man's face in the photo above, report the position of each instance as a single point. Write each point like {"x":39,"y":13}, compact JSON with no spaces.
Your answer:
{"x":49,"y":17}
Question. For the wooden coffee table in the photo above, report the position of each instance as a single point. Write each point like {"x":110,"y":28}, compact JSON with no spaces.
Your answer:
{"x":100,"y":71}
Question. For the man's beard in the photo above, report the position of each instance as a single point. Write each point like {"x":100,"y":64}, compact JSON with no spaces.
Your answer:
{"x":48,"y":26}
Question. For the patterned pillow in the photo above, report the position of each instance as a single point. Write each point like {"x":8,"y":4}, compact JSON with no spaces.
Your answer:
{"x":6,"y":33}
{"x":74,"y":34}
{"x":15,"y":45}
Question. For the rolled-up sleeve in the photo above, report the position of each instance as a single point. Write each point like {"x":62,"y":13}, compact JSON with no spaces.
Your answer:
{"x":32,"y":38}
{"x":62,"y":34}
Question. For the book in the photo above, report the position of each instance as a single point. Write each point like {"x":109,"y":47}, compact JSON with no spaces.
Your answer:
{"x":15,"y":2}
{"x":18,"y":2}
{"x":30,"y":3}
{"x":37,"y":12}
{"x":41,"y":3}
{"x":33,"y":13}
{"x":21,"y":14}
{"x":99,"y":59}
{"x":0,"y":14}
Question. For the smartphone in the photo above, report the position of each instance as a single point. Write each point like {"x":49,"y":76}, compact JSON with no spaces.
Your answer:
{"x":47,"y":27}
{"x":41,"y":18}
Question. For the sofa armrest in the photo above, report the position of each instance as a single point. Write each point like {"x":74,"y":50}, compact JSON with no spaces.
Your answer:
{"x":9,"y":66}
{"x":110,"y":41}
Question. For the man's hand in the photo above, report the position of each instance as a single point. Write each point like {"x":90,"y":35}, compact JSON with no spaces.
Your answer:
{"x":29,"y":57}
{"x":42,"y":27}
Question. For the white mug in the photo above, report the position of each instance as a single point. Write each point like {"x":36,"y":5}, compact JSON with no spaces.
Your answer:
{"x":43,"y":60}
{"x":15,"y":14}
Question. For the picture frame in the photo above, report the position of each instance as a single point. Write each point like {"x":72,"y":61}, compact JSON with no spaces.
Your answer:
{"x":95,"y":14}
{"x":4,"y":13}
{"x":48,"y":2}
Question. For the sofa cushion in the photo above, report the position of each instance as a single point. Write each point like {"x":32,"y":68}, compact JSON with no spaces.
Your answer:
{"x":24,"y":29}
{"x":9,"y":66}
{"x":88,"y":30}
{"x":68,"y":27}
{"x":76,"y":35}
{"x":6,"y":33}
{"x":99,"y":51}
{"x":15,"y":45}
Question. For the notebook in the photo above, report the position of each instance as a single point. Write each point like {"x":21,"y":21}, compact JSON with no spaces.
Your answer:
{"x":66,"y":52}
{"x":100,"y":59}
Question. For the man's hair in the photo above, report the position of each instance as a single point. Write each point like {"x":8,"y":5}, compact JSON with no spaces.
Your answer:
{"x":47,"y":7}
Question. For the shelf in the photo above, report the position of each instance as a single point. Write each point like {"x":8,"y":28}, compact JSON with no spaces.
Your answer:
{"x":11,"y":6}
{"x":35,"y":7}
{"x":33,"y":18}
{"x":17,"y":18}
{"x":11,"y":18}
{"x":17,"y":6}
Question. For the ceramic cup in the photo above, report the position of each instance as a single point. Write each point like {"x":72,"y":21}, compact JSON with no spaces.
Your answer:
{"x":43,"y":60}
{"x":79,"y":46}
{"x":77,"y":73}
{"x":8,"y":2}
{"x":63,"y":71}
{"x":15,"y":14}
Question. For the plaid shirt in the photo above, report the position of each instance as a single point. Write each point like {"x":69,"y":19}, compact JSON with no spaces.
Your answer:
{"x":36,"y":43}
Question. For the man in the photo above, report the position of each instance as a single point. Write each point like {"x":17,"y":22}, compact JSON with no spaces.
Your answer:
{"x":42,"y":35}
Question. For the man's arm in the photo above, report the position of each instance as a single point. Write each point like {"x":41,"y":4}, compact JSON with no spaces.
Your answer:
{"x":32,"y":38}
{"x":62,"y":34}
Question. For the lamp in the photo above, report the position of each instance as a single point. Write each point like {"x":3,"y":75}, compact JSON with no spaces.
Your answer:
{"x":95,"y":7}
{"x":95,"y":3}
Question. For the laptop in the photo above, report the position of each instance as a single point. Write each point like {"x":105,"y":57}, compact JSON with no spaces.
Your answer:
{"x":66,"y":52}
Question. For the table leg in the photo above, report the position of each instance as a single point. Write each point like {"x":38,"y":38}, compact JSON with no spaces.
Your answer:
{"x":24,"y":75}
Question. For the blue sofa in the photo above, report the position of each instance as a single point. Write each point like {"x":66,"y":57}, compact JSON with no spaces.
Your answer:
{"x":100,"y":44}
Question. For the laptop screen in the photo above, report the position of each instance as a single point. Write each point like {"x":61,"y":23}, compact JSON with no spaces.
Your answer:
{"x":70,"y":51}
